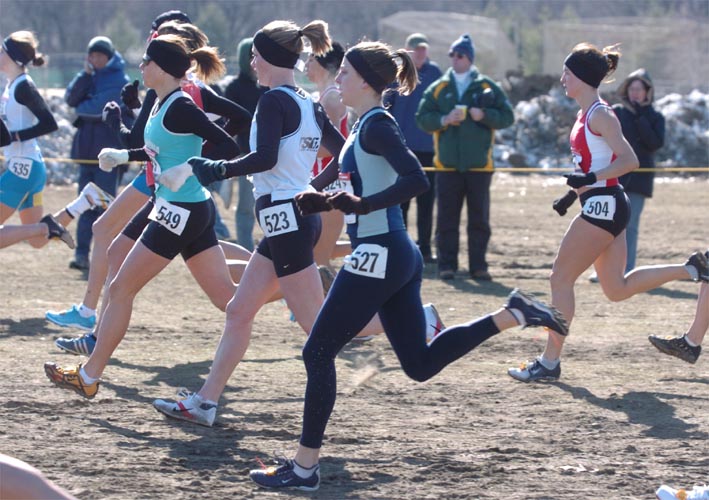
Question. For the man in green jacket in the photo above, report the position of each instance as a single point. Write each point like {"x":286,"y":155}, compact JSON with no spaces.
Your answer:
{"x":462,"y":110}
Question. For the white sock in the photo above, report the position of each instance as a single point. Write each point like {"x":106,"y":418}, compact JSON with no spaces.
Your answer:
{"x":87,"y":380}
{"x":692,"y":344}
{"x":78,"y":206}
{"x":85,"y":312}
{"x":549,"y":364}
{"x":519,"y":317}
{"x":302,"y":471}
{"x":693,"y":272}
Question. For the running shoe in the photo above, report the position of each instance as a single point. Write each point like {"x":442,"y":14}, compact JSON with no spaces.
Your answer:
{"x":57,"y":231}
{"x":696,"y":493}
{"x":535,"y":371}
{"x":434,"y":325}
{"x":532,"y":312}
{"x":700,"y":262}
{"x":677,"y":347}
{"x":189,"y":406}
{"x":97,"y":197}
{"x":72,"y":318}
{"x":78,"y":345}
{"x":69,"y":378}
{"x":327,"y":277}
{"x":282,"y":475}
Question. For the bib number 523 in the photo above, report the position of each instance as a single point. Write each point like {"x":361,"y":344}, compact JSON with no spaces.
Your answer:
{"x":368,"y":260}
{"x":278,"y":219}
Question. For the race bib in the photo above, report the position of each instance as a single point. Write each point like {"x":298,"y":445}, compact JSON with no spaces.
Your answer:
{"x":368,"y":260}
{"x":21,"y":167}
{"x":342,"y":183}
{"x":600,"y":207}
{"x":152,"y":151}
{"x":169,"y":216}
{"x":278,"y":219}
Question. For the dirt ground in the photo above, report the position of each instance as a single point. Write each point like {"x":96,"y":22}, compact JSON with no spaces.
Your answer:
{"x":622,"y":420}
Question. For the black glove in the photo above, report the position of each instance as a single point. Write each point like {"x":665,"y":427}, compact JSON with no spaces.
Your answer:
{"x":312,"y":202}
{"x":485,"y":99}
{"x":561,"y":205}
{"x":129,"y":95}
{"x":349,"y":203}
{"x":207,"y":171}
{"x":111,"y":115}
{"x":579,"y":180}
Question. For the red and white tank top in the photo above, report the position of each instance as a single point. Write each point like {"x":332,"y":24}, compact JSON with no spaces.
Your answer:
{"x":321,"y":163}
{"x":589,"y":150}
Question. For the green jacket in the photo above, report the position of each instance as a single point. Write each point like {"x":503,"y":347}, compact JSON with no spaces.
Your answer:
{"x":468,"y":145}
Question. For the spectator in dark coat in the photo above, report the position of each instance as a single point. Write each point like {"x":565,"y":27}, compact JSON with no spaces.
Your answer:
{"x":245,"y":91}
{"x":644,"y":128}
{"x":403,"y":108}
{"x":100,"y":82}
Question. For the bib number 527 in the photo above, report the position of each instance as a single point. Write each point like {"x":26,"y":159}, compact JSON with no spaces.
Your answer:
{"x":368,"y":260}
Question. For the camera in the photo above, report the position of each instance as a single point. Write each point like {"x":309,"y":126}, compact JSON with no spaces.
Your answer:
{"x":484,"y":99}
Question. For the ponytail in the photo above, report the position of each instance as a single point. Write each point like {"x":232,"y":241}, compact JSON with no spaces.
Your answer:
{"x":209,"y":66}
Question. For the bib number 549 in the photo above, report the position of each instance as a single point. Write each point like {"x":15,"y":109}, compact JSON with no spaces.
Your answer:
{"x":171,"y":217}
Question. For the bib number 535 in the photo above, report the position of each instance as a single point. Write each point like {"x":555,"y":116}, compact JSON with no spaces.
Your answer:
{"x":368,"y":260}
{"x":21,"y":167}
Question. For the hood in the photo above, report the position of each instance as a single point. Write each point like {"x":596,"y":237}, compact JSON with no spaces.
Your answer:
{"x":115,"y":63}
{"x":638,"y":74}
{"x":243,"y":54}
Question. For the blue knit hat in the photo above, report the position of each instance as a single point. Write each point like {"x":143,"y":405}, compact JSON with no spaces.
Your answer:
{"x":463,"y":45}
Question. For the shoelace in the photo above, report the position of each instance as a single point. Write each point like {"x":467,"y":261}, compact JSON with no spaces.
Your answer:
{"x":183,"y":393}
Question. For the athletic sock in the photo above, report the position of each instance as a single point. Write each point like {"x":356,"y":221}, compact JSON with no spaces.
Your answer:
{"x":302,"y":471}
{"x":519,"y":317}
{"x":549,"y":364}
{"x":85,"y":312}
{"x":691,"y":344}
{"x":85,"y":378}
{"x":693,"y":272}
{"x":78,"y":206}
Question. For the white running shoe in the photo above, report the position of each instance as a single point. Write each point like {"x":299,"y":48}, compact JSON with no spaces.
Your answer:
{"x":189,"y":406}
{"x":97,"y":197}
{"x":434,"y":325}
{"x":696,"y":493}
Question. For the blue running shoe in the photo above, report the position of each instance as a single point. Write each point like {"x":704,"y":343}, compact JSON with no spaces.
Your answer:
{"x":282,"y":475}
{"x":78,"y":345}
{"x":72,"y":319}
{"x":531,"y":312}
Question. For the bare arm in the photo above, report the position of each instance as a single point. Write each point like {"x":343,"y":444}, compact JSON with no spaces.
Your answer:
{"x":604,"y":122}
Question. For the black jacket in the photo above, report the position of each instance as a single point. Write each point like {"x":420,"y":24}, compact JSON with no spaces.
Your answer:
{"x":644,"y":128}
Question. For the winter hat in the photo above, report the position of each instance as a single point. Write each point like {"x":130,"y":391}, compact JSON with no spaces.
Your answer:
{"x":463,"y":45}
{"x":101,"y":44}
{"x":170,"y":15}
{"x":416,"y":40}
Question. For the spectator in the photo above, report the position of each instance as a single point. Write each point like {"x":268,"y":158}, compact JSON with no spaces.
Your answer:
{"x":403,"y":108}
{"x":462,"y":109}
{"x":245,"y":91}
{"x":98,"y":83}
{"x":644,"y":128}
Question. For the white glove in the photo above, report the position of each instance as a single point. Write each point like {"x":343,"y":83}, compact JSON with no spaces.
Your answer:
{"x":174,"y":177}
{"x":110,"y":158}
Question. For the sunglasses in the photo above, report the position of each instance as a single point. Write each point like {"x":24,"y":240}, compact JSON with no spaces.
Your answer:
{"x":146,"y":59}
{"x":456,"y":55}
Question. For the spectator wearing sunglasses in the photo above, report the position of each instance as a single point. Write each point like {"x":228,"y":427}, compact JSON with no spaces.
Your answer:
{"x":462,"y":110}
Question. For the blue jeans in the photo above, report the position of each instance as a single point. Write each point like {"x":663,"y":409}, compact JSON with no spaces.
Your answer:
{"x":108,"y":181}
{"x":245,"y":218}
{"x":637,"y":202}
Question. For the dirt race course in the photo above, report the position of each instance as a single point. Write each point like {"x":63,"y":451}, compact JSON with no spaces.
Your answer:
{"x":622,"y":420}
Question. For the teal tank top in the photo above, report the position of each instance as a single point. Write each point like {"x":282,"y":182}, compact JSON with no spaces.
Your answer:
{"x":169,"y":149}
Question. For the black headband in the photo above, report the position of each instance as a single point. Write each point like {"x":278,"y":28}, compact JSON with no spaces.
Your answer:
{"x":273,"y":52}
{"x":172,"y":61}
{"x":354,"y":56}
{"x":332,"y":59}
{"x":588,"y":68}
{"x":12,"y":49}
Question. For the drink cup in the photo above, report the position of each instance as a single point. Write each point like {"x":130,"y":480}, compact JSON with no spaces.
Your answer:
{"x":464,"y":110}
